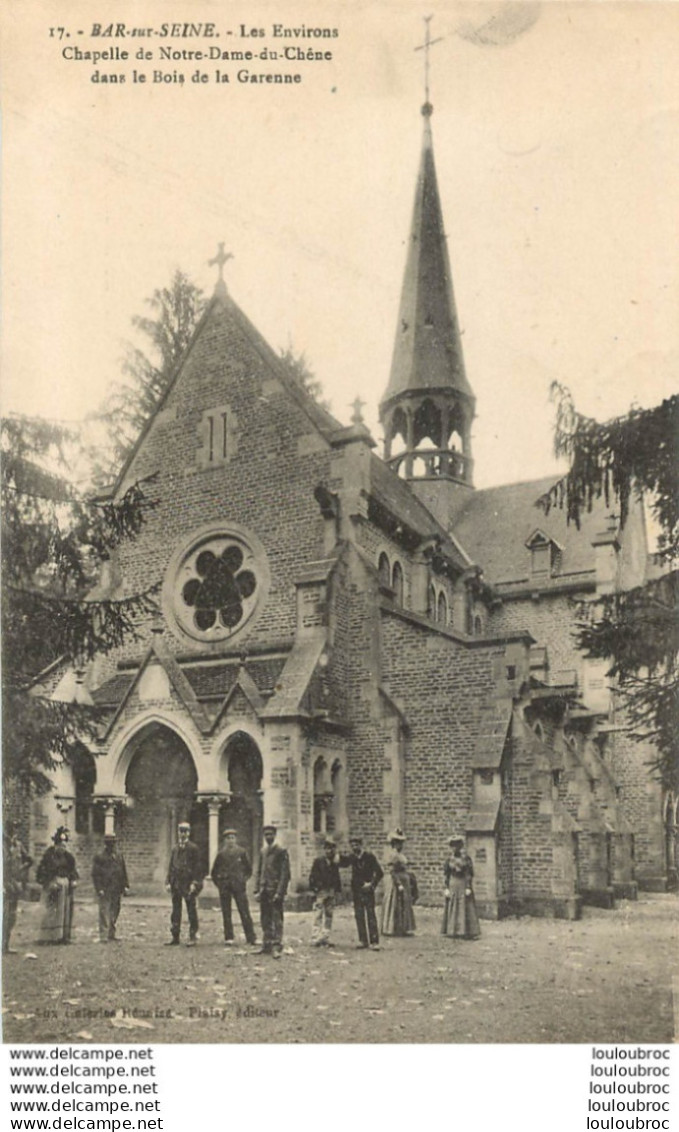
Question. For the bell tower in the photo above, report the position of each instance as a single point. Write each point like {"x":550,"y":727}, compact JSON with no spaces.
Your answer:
{"x":428,"y":407}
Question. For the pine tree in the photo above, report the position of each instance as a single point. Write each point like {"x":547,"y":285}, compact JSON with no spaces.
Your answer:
{"x":176,"y":311}
{"x":638,"y":630}
{"x":54,"y":542}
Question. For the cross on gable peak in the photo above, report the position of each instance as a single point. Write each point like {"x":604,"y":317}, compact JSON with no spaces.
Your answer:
{"x":219,"y":260}
{"x":357,"y":405}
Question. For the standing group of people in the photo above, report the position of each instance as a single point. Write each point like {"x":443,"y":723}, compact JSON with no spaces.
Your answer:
{"x":58,"y":876}
{"x":460,"y":919}
{"x":231,"y":871}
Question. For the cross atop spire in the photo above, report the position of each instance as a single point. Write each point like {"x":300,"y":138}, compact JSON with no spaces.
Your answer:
{"x":428,"y":407}
{"x":219,"y":260}
{"x":427,"y":109}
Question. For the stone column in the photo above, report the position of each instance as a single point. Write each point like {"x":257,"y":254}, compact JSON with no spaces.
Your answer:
{"x":64,"y":806}
{"x":214,"y":803}
{"x":110,"y":806}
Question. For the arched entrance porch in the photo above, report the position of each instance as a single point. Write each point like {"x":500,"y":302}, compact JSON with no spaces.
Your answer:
{"x":160,"y":785}
{"x":242,"y":770}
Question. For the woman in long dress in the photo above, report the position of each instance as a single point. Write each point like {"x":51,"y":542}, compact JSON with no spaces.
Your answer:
{"x":58,"y":876}
{"x":398,"y":917}
{"x":460,"y":919}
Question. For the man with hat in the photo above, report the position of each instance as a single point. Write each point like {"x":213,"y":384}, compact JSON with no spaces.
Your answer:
{"x":366,"y":874}
{"x":230,"y":872}
{"x":273,"y":877}
{"x":109,"y":877}
{"x":325,"y":883}
{"x":184,"y":881}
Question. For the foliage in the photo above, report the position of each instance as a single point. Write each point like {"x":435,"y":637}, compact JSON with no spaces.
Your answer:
{"x":53,"y":545}
{"x":301,"y":372}
{"x":176,"y":311}
{"x":168,"y":330}
{"x":638,"y":630}
{"x":614,"y":459}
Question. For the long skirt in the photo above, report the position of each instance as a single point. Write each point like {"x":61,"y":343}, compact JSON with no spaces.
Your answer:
{"x":398,"y":917}
{"x":460,"y":918}
{"x":57,"y":912}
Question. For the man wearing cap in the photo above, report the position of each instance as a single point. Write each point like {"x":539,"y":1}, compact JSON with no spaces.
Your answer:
{"x":325,"y":883}
{"x":230,"y":872}
{"x":184,"y":881}
{"x":109,"y":877}
{"x":366,"y":874}
{"x":273,"y":877}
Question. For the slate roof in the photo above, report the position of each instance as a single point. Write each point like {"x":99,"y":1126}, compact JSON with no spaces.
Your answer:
{"x":111,"y":693}
{"x":493,"y":526}
{"x":208,"y":681}
{"x":398,"y":497}
{"x":428,"y":346}
{"x":492,"y":736}
{"x":216,"y":680}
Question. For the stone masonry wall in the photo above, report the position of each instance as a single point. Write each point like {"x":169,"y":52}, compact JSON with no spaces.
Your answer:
{"x":442,"y":684}
{"x":266,"y":486}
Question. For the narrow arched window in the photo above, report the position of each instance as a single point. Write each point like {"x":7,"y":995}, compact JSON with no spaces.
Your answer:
{"x":442,"y":609}
{"x":337,"y":807}
{"x":469,"y":618}
{"x":397,"y":582}
{"x":323,"y":795}
{"x":384,"y":570}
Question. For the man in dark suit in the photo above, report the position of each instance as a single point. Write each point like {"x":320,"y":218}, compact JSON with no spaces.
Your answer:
{"x":230,"y":872}
{"x":109,"y":877}
{"x":325,"y":883}
{"x":273,"y":877}
{"x":184,"y":881}
{"x":366,"y":874}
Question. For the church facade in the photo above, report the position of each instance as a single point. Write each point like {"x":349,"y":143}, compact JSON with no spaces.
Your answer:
{"x":349,"y":641}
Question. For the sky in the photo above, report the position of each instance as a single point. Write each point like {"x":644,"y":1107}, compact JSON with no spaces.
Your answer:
{"x":555,"y":131}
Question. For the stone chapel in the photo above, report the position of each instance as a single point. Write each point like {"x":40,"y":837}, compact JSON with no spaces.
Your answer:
{"x":353,"y":641}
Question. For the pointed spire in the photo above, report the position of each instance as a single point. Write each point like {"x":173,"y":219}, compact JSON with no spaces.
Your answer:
{"x":428,"y":349}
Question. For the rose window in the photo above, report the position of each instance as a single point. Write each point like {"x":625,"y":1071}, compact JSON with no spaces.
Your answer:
{"x":216,"y":585}
{"x":217,"y":592}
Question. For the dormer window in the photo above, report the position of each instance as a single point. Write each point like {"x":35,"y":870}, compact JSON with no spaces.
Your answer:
{"x":545,"y":555}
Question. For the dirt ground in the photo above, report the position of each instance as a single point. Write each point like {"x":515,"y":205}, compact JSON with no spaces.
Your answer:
{"x":606,"y":978}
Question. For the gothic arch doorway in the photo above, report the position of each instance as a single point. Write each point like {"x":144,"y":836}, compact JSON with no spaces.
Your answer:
{"x":160,"y":785}
{"x":242,"y":767}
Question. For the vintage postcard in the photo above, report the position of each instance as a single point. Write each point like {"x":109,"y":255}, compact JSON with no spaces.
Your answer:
{"x":299,"y":744}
